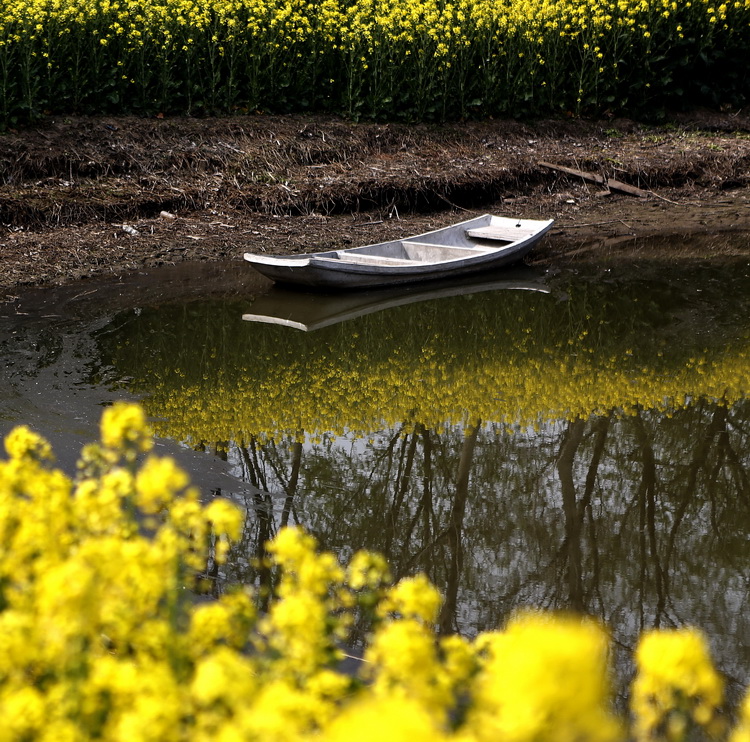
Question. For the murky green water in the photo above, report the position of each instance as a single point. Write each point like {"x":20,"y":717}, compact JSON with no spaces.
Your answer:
{"x":579,"y":440}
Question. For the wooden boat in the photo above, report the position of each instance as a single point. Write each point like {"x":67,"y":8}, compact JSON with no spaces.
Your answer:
{"x":483,"y":243}
{"x":308,"y":311}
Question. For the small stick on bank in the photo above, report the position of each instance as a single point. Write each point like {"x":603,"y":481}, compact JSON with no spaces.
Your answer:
{"x":611,"y":183}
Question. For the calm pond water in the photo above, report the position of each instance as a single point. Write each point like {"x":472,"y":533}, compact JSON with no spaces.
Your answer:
{"x":577,"y":440}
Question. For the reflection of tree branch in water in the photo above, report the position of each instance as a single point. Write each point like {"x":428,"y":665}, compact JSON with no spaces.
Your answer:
{"x":736,"y":466}
{"x":252,"y":468}
{"x":699,"y":461}
{"x":387,"y":454}
{"x":454,"y":527}
{"x":686,"y":494}
{"x":565,"y":461}
{"x":566,"y":562}
{"x":723,"y":461}
{"x":430,"y":521}
{"x":447,"y":620}
{"x":599,"y":473}
{"x":263,"y":509}
{"x":424,"y":507}
{"x":577,"y":512}
{"x":405,"y":465}
{"x":728,"y":510}
{"x":291,"y":487}
{"x":254,"y":472}
{"x":647,"y":512}
{"x":275,"y":462}
{"x":601,"y":429}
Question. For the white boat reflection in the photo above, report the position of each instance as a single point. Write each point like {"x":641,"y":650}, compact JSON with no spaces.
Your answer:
{"x":313,"y":311}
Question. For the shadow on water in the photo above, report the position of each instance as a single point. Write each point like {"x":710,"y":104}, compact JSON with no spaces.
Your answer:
{"x":584,"y":444}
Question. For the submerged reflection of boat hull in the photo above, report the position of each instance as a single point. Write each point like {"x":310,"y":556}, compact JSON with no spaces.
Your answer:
{"x":484,"y":243}
{"x":312,"y":311}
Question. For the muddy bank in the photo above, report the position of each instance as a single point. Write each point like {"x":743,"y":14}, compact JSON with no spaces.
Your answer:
{"x":90,"y":197}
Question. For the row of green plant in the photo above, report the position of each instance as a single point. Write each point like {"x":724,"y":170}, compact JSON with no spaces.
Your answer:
{"x":413,"y":59}
{"x":100,"y":640}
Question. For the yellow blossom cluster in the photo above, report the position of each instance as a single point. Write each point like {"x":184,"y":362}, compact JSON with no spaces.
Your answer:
{"x":101,"y":640}
{"x":408,"y":57}
{"x":677,"y":689}
{"x":741,"y":732}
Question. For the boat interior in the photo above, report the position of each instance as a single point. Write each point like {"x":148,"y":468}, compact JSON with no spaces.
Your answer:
{"x":448,"y":245}
{"x":403,"y":253}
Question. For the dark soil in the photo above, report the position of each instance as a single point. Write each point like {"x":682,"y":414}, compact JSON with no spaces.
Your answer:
{"x":86,"y":197}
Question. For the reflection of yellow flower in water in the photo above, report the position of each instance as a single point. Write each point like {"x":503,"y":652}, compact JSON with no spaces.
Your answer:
{"x":526,"y":367}
{"x":676,"y":685}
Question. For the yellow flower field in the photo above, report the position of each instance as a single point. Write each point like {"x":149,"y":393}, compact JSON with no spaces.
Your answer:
{"x":416,"y":59}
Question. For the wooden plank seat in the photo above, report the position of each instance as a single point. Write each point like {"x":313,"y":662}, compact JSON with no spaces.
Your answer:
{"x":429,"y":252}
{"x":443,"y":248}
{"x":502,"y":234}
{"x":356,"y":257}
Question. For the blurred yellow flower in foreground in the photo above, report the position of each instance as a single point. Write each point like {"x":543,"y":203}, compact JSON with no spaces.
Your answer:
{"x":677,"y":686}
{"x":101,"y":640}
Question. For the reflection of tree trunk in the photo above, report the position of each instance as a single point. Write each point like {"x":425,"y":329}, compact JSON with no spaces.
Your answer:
{"x":455,"y":526}
{"x":253,"y":469}
{"x":565,"y":462}
{"x":263,"y":514}
{"x":601,"y":430}
{"x":648,"y":494}
{"x":428,"y":512}
{"x":291,"y":487}
{"x":404,"y":477}
{"x":424,"y":510}
{"x":647,"y":511}
{"x":712,"y":480}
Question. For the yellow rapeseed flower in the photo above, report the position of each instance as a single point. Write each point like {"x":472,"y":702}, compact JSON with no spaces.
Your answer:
{"x":124,"y":427}
{"x":544,"y":677}
{"x":22,"y":443}
{"x":676,"y":685}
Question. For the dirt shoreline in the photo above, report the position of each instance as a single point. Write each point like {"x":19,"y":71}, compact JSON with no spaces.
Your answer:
{"x":86,"y":197}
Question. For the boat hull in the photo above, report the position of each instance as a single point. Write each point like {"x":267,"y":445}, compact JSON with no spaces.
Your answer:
{"x":446,"y":253}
